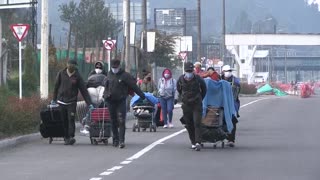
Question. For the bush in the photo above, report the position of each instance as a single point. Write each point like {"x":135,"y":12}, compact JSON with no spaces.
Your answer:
{"x":19,"y":116}
{"x":248,"y":88}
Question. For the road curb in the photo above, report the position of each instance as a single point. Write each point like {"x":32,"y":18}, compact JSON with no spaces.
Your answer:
{"x":14,"y":141}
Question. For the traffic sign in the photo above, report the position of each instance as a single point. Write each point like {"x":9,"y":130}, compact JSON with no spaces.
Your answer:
{"x":20,"y":31}
{"x":109,"y":44}
{"x":183,"y":55}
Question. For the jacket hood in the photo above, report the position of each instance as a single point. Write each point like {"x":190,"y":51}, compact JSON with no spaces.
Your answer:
{"x":167,"y":70}
{"x":100,"y":63}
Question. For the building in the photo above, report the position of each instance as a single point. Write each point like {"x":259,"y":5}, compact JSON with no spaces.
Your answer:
{"x":171,"y":21}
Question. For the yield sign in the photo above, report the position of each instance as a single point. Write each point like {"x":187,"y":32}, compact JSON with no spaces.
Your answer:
{"x":20,"y":30}
{"x":109,"y":44}
{"x":183,"y":55}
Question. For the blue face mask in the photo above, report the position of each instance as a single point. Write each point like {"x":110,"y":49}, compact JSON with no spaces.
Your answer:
{"x":188,"y":75}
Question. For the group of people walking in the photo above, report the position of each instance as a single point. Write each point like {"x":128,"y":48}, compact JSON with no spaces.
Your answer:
{"x":190,"y":87}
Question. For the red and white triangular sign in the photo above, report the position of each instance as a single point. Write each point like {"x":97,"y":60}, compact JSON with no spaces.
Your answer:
{"x":20,"y":31}
{"x":183,"y":55}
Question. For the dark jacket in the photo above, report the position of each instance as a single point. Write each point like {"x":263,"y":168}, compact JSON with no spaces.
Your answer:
{"x":66,"y":88}
{"x":193,"y":90}
{"x":117,"y":86}
{"x":235,"y":85}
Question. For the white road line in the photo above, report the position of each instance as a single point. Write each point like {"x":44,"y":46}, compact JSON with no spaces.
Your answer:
{"x":106,"y":173}
{"x":114,"y":168}
{"x":95,"y":178}
{"x":125,"y":162}
{"x":151,"y":146}
{"x":253,"y":102}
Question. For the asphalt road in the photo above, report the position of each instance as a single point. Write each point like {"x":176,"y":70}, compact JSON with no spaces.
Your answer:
{"x":277,"y":139}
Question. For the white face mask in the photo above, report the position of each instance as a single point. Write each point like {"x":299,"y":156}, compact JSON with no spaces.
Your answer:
{"x":98,"y":71}
{"x":115,"y":70}
{"x":166,"y":75}
{"x":227,"y":74}
{"x":188,"y":75}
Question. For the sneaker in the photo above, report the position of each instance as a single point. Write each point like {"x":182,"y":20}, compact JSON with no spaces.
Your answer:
{"x":84,"y":131}
{"x":122,"y":145}
{"x":198,"y":147}
{"x":72,"y":141}
{"x":231,"y":144}
{"x":170,"y":125}
{"x":193,"y":146}
{"x":66,"y":141}
{"x":165,"y":126}
{"x":115,"y":143}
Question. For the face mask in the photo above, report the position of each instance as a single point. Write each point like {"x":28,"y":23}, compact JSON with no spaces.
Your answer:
{"x":166,"y":76}
{"x":98,"y":71}
{"x":188,"y":75}
{"x":115,"y":70}
{"x":227,"y":74}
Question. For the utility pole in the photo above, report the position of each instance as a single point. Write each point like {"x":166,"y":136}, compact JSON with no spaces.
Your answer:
{"x":2,"y":72}
{"x":126,"y":12}
{"x":223,"y":44}
{"x":285,"y":65}
{"x":44,"y":51}
{"x":144,"y":24}
{"x":199,"y":32}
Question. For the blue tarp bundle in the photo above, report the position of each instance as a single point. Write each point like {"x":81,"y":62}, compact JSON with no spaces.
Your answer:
{"x":154,"y":100}
{"x":219,"y":94}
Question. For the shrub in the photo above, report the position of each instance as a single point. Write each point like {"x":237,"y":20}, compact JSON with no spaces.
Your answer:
{"x":248,"y":88}
{"x":19,"y":116}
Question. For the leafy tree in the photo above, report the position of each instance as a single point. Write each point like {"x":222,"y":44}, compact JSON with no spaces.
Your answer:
{"x":163,"y":54}
{"x":68,"y":15}
{"x":96,"y":23}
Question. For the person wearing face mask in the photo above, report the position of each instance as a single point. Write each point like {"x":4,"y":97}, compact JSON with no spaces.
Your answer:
{"x":117,"y":85}
{"x":67,"y":85}
{"x":147,"y":85}
{"x":192,"y":89}
{"x":98,"y":69}
{"x":235,"y":84}
{"x":167,"y":97}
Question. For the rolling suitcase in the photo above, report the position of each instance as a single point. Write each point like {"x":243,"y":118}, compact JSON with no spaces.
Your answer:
{"x":52,"y":122}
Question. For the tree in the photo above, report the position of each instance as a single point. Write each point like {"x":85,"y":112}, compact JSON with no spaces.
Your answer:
{"x":96,"y":23}
{"x":163,"y":54}
{"x":68,"y":15}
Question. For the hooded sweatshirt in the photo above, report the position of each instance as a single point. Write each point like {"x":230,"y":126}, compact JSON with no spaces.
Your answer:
{"x":167,"y":86}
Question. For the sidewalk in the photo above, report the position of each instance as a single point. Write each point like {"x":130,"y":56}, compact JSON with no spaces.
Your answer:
{"x":15,"y":141}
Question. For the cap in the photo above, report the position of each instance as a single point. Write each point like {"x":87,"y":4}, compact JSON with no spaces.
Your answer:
{"x":226,"y":68}
{"x":188,"y":66}
{"x":197,"y":63}
{"x":115,"y":63}
{"x":71,"y":61}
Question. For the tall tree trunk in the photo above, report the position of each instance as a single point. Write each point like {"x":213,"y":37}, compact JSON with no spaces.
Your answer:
{"x":199,"y":32}
{"x":69,"y":41}
{"x":97,"y":51}
{"x":84,"y":51}
{"x":76,"y":45}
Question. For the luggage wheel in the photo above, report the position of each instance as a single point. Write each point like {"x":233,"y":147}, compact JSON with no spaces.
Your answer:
{"x":50,"y":140}
{"x":105,"y":141}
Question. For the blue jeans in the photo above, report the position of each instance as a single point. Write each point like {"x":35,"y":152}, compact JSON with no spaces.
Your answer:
{"x":167,"y":109}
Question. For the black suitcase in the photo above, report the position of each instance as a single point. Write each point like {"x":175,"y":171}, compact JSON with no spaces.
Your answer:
{"x":52,"y":122}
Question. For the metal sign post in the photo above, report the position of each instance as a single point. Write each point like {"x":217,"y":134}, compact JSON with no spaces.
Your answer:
{"x":183,"y":56}
{"x":20,"y":31}
{"x":109,"y":45}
